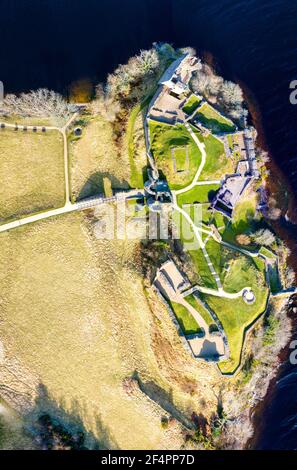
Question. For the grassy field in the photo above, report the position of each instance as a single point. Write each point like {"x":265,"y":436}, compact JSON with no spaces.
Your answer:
{"x":95,"y":155}
{"x":136,"y":145}
{"x":236,"y":315}
{"x":217,"y":165}
{"x":75,"y":323}
{"x":203,"y":273}
{"x":236,"y":271}
{"x":31,"y":171}
{"x":219,"y":256}
{"x":191,"y":104}
{"x":267,"y":253}
{"x":213,"y":217}
{"x":187,"y":322}
{"x":200,"y":308}
{"x":164,"y":138}
{"x":200,"y":193}
{"x":213,"y":120}
{"x":243,"y":219}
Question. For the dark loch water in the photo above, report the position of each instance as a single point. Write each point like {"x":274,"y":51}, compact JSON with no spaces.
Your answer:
{"x":51,"y":43}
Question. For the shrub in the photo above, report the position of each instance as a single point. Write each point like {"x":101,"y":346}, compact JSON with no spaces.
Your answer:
{"x":243,"y":239}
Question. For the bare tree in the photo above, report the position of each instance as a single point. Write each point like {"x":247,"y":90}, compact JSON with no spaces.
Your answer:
{"x":188,"y":50}
{"x":126,"y":78}
{"x":148,"y":61}
{"x":200,"y":82}
{"x":37,"y":103}
{"x":290,"y":277}
{"x":264,"y":237}
{"x":272,"y":212}
{"x":231,"y":94}
{"x":214,"y":85}
{"x":237,"y":113}
{"x":263,"y":157}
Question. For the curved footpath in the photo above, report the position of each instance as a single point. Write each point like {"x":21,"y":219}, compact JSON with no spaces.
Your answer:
{"x":220,"y":292}
{"x":68,"y":206}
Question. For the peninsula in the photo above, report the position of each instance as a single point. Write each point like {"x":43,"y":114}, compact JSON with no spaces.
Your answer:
{"x":141,"y":275}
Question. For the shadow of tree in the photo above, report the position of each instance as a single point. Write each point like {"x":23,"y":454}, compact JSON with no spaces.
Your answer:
{"x":54,"y":427}
{"x":162,"y":398}
{"x":200,"y":422}
{"x":94,"y":184}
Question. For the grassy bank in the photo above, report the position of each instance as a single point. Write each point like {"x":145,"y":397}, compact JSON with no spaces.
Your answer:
{"x":213,"y":120}
{"x":96,"y":155}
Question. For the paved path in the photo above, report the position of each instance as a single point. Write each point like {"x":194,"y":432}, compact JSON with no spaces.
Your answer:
{"x":63,"y":130}
{"x":68,"y":206}
{"x":220,"y":292}
{"x":202,"y":183}
{"x":196,"y":229}
{"x":201,"y":147}
{"x":34,"y":218}
{"x":252,"y":254}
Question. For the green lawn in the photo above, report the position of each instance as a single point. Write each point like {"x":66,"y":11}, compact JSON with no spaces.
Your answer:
{"x":213,"y":217}
{"x":180,"y":155}
{"x":259,"y":263}
{"x":164,"y":138}
{"x":267,"y":253}
{"x":219,"y":256}
{"x":214,"y":120}
{"x":191,"y":104}
{"x":203,"y":274}
{"x":136,"y":166}
{"x":236,"y":271}
{"x":200,"y":309}
{"x":217,"y":165}
{"x":242,"y":220}
{"x":187,"y":322}
{"x":234,"y":314}
{"x":200,"y":193}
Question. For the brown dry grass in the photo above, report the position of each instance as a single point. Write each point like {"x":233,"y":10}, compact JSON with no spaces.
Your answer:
{"x":31,"y":172}
{"x":74,"y":314}
{"x":94,"y":155}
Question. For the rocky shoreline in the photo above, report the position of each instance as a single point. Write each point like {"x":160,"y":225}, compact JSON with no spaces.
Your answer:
{"x":243,"y":431}
{"x":260,"y":389}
